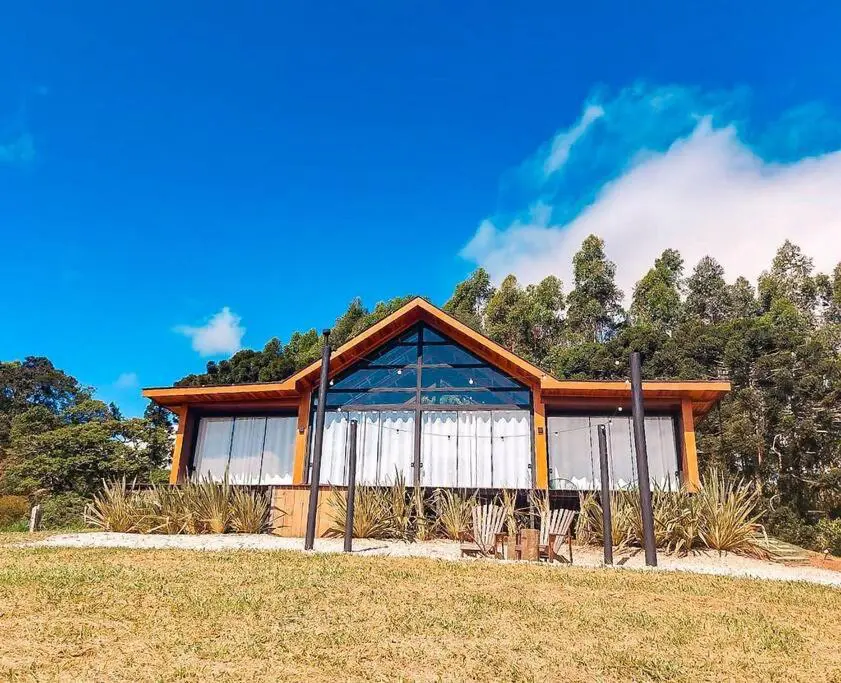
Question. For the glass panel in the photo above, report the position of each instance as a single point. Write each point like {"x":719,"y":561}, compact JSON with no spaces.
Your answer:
{"x":620,"y":450}
{"x":449,"y":355}
{"x":246,"y":450}
{"x":410,"y":337}
{"x":430,"y":335}
{"x":333,"y":449}
{"x":213,"y":447}
{"x":480,"y":397}
{"x":464,"y":378}
{"x":662,"y":452}
{"x":511,"y":443}
{"x":369,"y":398}
{"x":377,"y":378}
{"x":279,"y":450}
{"x":397,"y":446}
{"x":394,"y":355}
{"x":571,"y":464}
{"x":439,"y":444}
{"x":474,"y":469}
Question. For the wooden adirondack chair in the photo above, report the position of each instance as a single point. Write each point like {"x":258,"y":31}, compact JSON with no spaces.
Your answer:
{"x":488,"y":521}
{"x":555,"y":529}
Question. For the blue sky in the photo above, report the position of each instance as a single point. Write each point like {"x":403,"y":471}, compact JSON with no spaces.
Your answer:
{"x":160,"y":162}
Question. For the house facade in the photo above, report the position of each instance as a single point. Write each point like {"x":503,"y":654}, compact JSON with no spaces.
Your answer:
{"x":441,"y":405}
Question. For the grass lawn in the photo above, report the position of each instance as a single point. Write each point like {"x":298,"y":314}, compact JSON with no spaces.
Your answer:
{"x":74,"y":614}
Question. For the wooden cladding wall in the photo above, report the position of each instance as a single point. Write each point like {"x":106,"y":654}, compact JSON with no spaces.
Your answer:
{"x":289,"y":511}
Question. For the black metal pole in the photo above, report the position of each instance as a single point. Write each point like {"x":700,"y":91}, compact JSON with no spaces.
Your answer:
{"x":351,"y":488}
{"x":315,"y":469}
{"x":638,"y":412}
{"x":607,"y":522}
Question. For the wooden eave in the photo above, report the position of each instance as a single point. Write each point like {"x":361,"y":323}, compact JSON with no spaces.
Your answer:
{"x":702,"y":394}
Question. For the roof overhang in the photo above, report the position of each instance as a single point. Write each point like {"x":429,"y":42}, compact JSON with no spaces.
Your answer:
{"x":703,"y":395}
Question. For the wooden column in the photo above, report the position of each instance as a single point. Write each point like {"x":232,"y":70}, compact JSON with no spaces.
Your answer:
{"x":541,"y":452}
{"x":689,"y":449}
{"x":299,"y":465}
{"x":179,"y":454}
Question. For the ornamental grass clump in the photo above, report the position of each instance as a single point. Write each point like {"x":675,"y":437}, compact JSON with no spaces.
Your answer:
{"x":249,"y":512}
{"x":373,"y":515}
{"x":453,"y":512}
{"x":193,"y":508}
{"x":721,"y":516}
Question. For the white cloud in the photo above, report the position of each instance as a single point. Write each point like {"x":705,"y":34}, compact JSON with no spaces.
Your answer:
{"x":563,"y":141}
{"x":221,"y":335}
{"x":127,"y":380}
{"x":708,"y":192}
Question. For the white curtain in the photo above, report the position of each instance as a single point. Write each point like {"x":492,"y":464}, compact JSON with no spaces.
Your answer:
{"x":334,"y":449}
{"x":246,"y":450}
{"x":620,"y":445}
{"x":511,"y":445}
{"x":570,"y":454}
{"x":367,"y":446}
{"x":574,"y":452}
{"x":213,"y":447}
{"x":474,"y":450}
{"x":662,"y":452}
{"x":397,"y":445}
{"x":439,"y":448}
{"x":279,"y":450}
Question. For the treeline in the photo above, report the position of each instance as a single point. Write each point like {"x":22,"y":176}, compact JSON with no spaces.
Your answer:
{"x":778,"y":341}
{"x":57,"y":442}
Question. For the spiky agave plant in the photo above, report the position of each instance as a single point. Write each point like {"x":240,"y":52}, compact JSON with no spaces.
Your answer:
{"x":372,"y":515}
{"x":729,"y":515}
{"x":115,"y":508}
{"x":453,"y":513}
{"x":508,"y":501}
{"x":249,"y":511}
{"x":424,"y":528}
{"x":401,"y":507}
{"x":212,"y":501}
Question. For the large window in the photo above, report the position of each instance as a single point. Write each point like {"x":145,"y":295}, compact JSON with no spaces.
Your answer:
{"x":574,"y":451}
{"x":252,"y":450}
{"x":474,"y":420}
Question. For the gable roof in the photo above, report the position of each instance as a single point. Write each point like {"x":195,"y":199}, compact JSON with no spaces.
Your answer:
{"x":420,"y":310}
{"x":703,"y":394}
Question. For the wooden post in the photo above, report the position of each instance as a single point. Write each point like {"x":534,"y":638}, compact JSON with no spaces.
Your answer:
{"x":529,"y":544}
{"x":35,"y":519}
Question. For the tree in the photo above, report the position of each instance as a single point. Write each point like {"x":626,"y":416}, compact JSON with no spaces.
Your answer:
{"x":593,"y":306}
{"x":790,"y":278}
{"x":707,"y":296}
{"x":656,"y":298}
{"x":470,"y":298}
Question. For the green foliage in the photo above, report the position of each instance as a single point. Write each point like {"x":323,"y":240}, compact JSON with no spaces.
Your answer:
{"x":13,"y":510}
{"x":453,"y":511}
{"x":194,"y":508}
{"x":829,"y":536}
{"x":722,"y":515}
{"x":63,"y":511}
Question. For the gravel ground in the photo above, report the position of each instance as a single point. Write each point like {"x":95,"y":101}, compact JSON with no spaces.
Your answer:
{"x":702,"y":562}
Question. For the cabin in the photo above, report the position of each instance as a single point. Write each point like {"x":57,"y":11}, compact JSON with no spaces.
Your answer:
{"x":439,"y":404}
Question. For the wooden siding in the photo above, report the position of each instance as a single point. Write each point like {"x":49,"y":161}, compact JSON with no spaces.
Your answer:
{"x":294,"y":502}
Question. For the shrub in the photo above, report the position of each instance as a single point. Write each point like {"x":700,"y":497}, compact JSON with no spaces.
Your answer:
{"x":721,"y":516}
{"x":64,"y":511}
{"x":116,"y":508}
{"x":453,"y":512}
{"x":784,"y":523}
{"x":13,"y":511}
{"x":829,"y":535}
{"x":373,"y":514}
{"x":249,"y":512}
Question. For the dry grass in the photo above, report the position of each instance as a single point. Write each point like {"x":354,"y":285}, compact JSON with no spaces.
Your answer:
{"x":71,"y":614}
